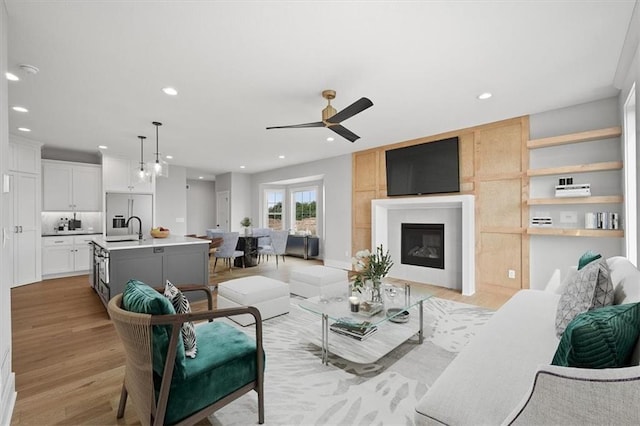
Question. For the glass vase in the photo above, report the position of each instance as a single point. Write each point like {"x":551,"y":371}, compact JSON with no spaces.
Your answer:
{"x":376,"y":290}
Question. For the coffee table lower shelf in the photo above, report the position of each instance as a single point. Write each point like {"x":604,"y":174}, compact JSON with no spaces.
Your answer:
{"x":388,"y":337}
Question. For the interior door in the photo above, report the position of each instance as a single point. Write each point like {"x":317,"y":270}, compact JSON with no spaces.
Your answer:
{"x":223,"y":210}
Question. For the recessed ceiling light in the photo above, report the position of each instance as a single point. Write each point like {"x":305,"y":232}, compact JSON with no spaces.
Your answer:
{"x":485,"y":95}
{"x":24,"y":129}
{"x":330,"y":139}
{"x":20,"y":109}
{"x":30,"y":69}
{"x":200,"y":177}
{"x":281,"y":156}
{"x":169,"y":157}
{"x":242,"y":167}
{"x":170,"y":91}
{"x":103,"y":147}
{"x":11,"y":77}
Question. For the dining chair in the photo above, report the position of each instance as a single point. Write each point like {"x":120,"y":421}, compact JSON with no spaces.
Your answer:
{"x":278,"y":245}
{"x":227,"y":250}
{"x":263,"y":236}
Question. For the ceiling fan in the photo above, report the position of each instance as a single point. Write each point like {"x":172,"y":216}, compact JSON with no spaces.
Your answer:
{"x":332,"y":119}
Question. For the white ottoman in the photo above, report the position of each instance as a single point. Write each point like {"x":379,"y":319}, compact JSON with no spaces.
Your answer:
{"x":318,"y":280}
{"x":270,"y":296}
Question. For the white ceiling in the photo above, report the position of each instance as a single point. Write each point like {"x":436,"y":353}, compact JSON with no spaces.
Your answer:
{"x":244,"y":65}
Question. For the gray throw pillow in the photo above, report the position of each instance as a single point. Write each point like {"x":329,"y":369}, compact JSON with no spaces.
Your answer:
{"x":181,"y":305}
{"x":591,"y":288}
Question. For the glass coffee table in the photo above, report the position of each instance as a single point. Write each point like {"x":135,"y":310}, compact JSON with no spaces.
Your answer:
{"x":401,"y":319}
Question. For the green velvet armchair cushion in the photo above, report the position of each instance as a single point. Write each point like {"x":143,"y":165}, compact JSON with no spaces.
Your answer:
{"x":226,"y":361}
{"x":140,"y":298}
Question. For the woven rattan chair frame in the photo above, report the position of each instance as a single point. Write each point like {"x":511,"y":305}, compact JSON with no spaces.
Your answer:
{"x":135,"y":332}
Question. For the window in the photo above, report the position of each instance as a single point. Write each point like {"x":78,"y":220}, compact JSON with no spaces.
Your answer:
{"x":273,"y":201}
{"x":304,"y":208}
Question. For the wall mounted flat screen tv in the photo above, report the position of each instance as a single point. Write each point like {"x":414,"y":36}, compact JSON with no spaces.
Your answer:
{"x":428,"y":168}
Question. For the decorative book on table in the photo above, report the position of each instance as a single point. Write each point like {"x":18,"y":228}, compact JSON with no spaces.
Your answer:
{"x":359,"y":331}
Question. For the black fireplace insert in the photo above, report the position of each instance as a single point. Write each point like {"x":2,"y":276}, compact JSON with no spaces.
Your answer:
{"x":423,"y":244}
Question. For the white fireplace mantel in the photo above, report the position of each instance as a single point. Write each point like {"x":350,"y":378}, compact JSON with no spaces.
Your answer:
{"x":380,"y":226}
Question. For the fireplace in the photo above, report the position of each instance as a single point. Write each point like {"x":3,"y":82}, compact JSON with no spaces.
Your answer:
{"x":423,"y":244}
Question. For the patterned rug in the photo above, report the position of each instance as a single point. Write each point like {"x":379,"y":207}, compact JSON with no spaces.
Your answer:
{"x":300,"y":390}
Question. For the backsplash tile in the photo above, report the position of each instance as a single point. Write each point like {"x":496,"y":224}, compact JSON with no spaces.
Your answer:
{"x":91,"y":221}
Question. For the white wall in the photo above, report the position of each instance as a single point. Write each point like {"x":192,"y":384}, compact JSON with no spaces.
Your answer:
{"x":171,"y":201}
{"x":336,"y":173}
{"x":548,"y":253}
{"x":201,"y":206}
{"x":7,"y":377}
{"x":241,"y":200}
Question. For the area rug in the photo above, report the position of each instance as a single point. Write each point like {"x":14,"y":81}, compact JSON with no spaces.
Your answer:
{"x":300,"y":390}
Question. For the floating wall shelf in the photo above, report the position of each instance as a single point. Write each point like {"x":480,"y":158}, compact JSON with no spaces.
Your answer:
{"x":591,"y":135}
{"x":565,"y":232}
{"x":608,"y":199}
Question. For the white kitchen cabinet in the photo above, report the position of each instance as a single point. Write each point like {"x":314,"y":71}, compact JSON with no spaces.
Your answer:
{"x":120,"y":175}
{"x":57,"y":255}
{"x":25,"y":227}
{"x":82,"y":252}
{"x":65,"y":255}
{"x":24,"y":156}
{"x":71,"y":186}
{"x":23,"y":211}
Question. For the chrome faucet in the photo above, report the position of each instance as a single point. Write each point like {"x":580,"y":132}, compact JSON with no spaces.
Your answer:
{"x":139,"y":227}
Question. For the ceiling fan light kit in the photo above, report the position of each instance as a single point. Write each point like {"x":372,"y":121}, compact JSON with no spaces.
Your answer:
{"x":332,"y":119}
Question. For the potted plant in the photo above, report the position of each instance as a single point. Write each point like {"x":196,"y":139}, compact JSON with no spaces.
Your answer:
{"x":246,"y":223}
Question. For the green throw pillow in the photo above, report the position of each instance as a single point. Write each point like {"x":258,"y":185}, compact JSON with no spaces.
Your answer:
{"x":601,"y":338}
{"x":587,"y":258}
{"x":139,"y":297}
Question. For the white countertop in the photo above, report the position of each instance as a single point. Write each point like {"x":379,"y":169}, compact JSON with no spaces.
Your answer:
{"x":148,"y":242}
{"x":64,"y":233}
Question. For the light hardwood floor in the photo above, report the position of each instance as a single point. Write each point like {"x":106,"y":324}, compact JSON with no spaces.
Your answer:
{"x":68,"y":359}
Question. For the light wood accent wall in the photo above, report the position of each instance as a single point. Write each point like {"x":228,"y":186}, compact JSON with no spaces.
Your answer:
{"x":493,"y":166}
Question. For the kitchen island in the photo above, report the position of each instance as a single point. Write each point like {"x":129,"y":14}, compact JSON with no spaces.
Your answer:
{"x":181,"y":260}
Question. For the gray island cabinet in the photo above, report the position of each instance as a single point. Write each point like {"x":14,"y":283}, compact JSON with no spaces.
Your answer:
{"x":181,"y":260}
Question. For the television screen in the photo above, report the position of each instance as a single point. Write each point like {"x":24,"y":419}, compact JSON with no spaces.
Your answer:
{"x":428,"y":168}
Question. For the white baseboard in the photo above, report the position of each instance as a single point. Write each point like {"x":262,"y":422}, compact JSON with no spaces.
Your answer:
{"x":337,"y":264}
{"x":8,"y":400}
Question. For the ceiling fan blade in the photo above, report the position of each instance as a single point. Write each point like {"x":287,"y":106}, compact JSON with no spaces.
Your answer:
{"x":344,"y":132}
{"x":353,"y":109}
{"x":299,"y":126}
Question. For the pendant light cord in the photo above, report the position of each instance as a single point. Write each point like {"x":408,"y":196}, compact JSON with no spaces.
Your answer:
{"x":157,"y":124}
{"x":142,"y":138}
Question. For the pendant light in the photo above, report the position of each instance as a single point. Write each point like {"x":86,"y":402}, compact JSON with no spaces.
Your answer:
{"x":158,"y":168}
{"x":142,"y":172}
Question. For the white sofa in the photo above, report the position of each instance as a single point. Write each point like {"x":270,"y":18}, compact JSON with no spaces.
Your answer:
{"x":504,"y":376}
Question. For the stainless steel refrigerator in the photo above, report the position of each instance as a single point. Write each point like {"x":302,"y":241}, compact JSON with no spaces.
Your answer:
{"x":121,"y":206}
